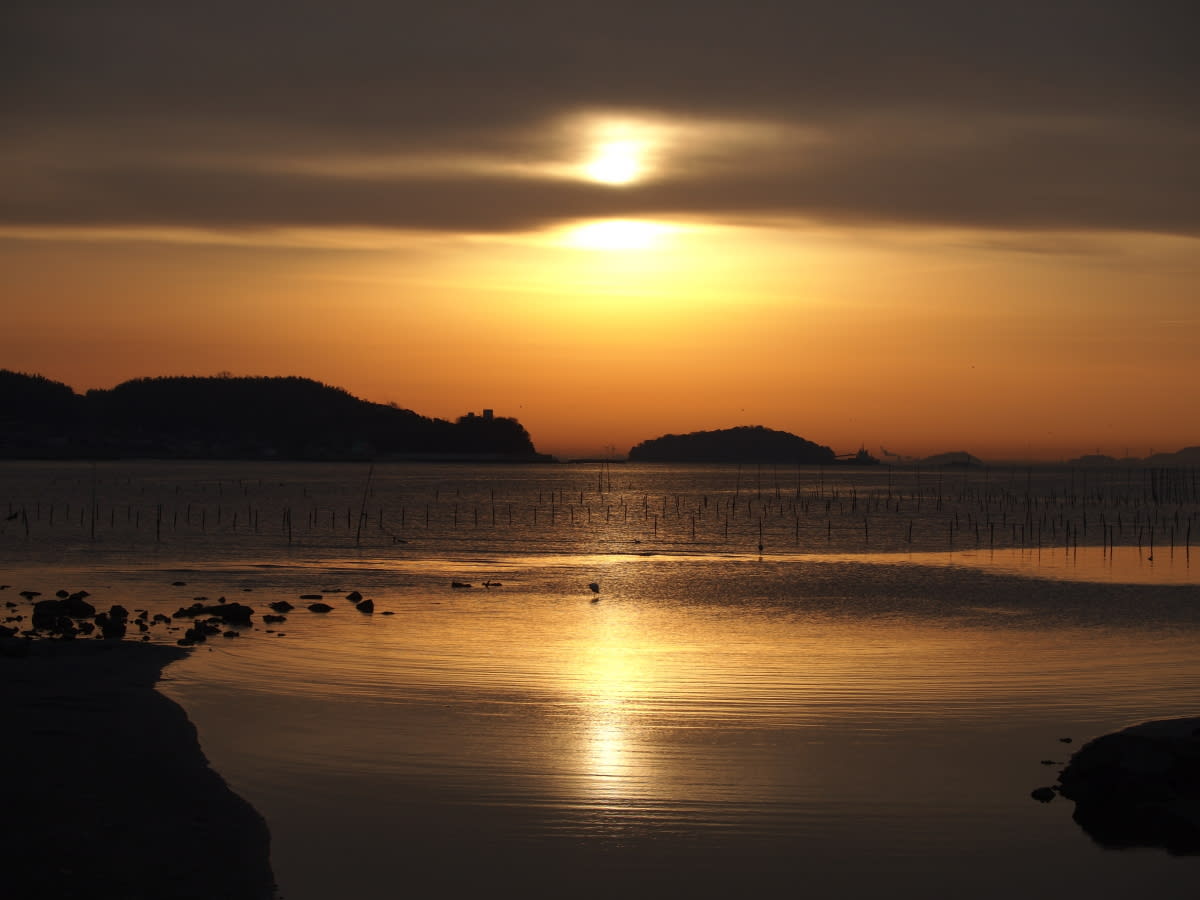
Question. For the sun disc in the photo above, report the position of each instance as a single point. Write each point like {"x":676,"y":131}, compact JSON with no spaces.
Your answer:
{"x":616,"y":162}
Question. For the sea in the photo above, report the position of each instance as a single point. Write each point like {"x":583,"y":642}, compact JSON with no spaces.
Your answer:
{"x":652,"y":680}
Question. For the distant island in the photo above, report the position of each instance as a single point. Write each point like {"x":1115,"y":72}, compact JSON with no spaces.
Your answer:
{"x":955,"y":459}
{"x":1188,"y":456}
{"x":742,"y":444}
{"x":226,"y":417}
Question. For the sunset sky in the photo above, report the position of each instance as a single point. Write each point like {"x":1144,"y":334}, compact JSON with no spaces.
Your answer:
{"x":920,"y":225}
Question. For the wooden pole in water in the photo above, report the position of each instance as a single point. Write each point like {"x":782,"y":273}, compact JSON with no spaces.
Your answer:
{"x":362,"y":509}
{"x":93,"y":532}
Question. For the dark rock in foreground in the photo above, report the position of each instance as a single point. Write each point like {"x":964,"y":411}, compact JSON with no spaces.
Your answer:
{"x":1139,"y":787}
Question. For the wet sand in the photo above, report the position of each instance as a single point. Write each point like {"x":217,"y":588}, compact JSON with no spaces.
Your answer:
{"x":105,"y":789}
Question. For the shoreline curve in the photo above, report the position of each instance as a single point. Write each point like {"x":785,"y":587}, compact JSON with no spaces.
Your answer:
{"x":106,"y":788}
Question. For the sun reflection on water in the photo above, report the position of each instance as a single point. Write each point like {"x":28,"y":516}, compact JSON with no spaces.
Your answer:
{"x":612,"y":674}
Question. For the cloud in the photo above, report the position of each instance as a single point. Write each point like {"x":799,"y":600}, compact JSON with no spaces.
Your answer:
{"x":1074,"y":116}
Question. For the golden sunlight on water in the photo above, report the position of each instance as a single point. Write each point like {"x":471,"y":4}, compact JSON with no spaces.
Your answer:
{"x":603,"y":701}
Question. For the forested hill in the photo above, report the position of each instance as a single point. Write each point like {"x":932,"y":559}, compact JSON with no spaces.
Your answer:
{"x":235,"y":418}
{"x":742,"y":444}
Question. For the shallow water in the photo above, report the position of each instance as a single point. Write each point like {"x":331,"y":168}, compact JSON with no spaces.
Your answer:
{"x":848,"y":713}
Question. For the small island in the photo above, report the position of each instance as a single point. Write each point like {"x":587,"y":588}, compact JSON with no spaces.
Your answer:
{"x":744,"y":444}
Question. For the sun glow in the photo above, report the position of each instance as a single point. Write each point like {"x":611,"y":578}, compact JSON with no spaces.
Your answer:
{"x":616,"y":234}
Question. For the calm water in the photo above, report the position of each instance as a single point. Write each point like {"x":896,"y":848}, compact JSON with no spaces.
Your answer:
{"x":861,"y":707}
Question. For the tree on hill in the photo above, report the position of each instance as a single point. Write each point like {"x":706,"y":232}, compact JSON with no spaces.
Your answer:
{"x":35,"y":400}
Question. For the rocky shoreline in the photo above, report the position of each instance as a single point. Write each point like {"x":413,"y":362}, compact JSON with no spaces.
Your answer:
{"x":106,"y":790}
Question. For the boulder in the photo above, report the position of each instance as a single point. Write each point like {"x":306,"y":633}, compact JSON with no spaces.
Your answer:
{"x":354,"y":596}
{"x":281,"y":606}
{"x":1139,"y":787}
{"x":320,"y":607}
{"x":367,"y":606}
{"x":111,"y":629}
{"x":46,"y":613}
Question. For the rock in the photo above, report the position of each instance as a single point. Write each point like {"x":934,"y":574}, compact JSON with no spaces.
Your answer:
{"x":1042,"y":794}
{"x":225,"y":612}
{"x":62,"y":594}
{"x":178,"y":583}
{"x":46,"y":613}
{"x":311,"y":596}
{"x":55,"y":615}
{"x":112,"y":629}
{"x":29,"y":595}
{"x":320,"y":607}
{"x":229,"y":634}
{"x":118,"y":612}
{"x":387,"y":612}
{"x":1139,"y":787}
{"x":367,"y":606}
{"x":459,"y":584}
{"x":281,"y":606}
{"x":354,"y":596}
{"x":271,"y":619}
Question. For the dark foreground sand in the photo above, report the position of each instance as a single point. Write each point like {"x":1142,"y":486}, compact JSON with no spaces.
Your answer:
{"x":105,"y":792}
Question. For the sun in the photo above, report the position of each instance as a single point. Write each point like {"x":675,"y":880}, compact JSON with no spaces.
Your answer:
{"x":616,"y":163}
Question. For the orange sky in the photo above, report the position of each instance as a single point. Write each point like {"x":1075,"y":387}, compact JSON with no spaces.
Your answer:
{"x":921,"y":258}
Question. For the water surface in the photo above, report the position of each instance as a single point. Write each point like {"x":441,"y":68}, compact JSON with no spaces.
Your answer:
{"x":856,"y":709}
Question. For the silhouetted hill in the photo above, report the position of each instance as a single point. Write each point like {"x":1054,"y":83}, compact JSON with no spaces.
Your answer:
{"x":742,"y":444}
{"x":955,"y":459}
{"x":1188,"y":456}
{"x":237,"y":418}
{"x":36,"y":403}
